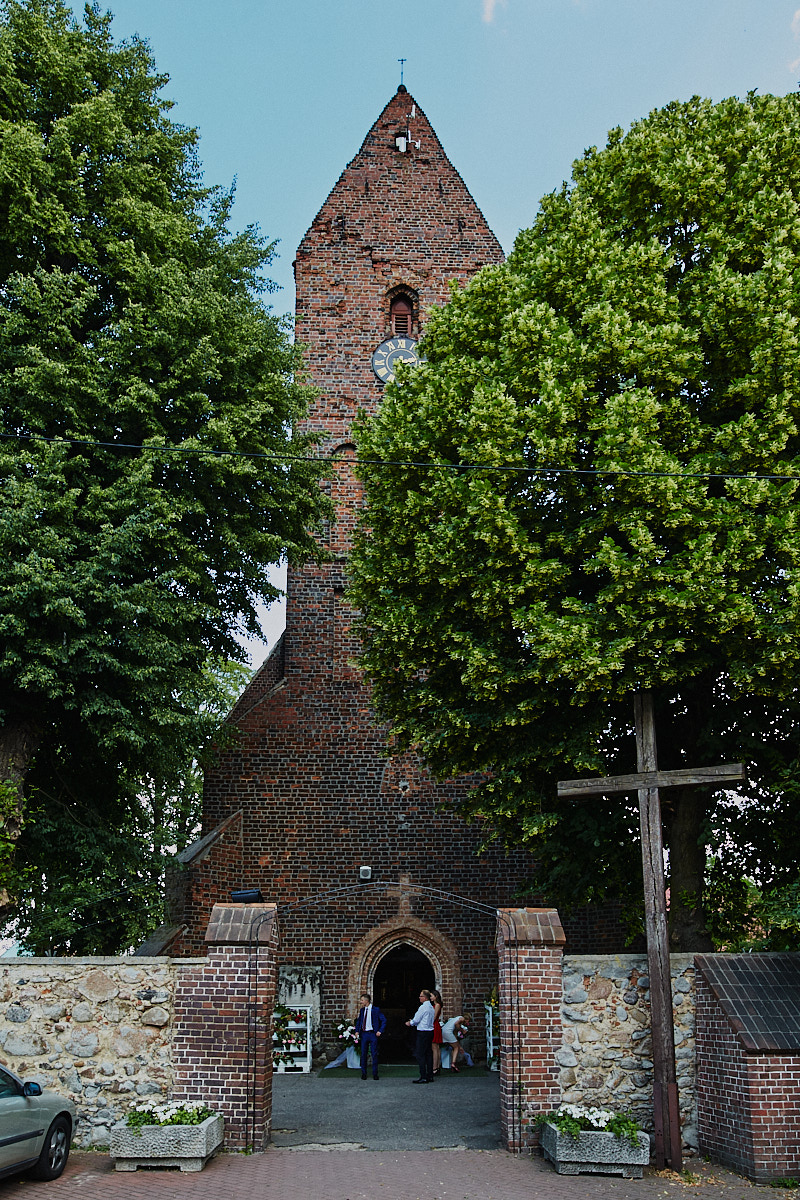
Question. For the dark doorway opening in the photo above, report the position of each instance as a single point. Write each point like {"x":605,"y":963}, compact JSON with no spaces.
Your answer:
{"x":399,"y":978}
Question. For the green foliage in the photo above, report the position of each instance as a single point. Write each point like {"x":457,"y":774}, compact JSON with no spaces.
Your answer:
{"x":148,"y":469}
{"x":769,"y":918}
{"x":88,"y":871}
{"x":9,"y":814}
{"x":591,"y":489}
{"x":781,"y":909}
{"x":11,"y":805}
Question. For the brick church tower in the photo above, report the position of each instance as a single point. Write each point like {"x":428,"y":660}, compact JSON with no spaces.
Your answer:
{"x":310,"y":796}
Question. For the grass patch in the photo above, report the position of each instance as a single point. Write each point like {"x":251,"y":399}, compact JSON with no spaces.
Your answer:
{"x":393,"y":1071}
{"x":387,"y":1071}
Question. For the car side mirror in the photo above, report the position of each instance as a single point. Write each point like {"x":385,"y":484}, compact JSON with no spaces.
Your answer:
{"x":31,"y":1089}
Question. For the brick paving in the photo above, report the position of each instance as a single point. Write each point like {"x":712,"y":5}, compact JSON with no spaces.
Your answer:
{"x":282,"y":1174}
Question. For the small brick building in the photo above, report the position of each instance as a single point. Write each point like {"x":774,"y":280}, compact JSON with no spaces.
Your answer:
{"x":310,"y":794}
{"x":748,"y":1062}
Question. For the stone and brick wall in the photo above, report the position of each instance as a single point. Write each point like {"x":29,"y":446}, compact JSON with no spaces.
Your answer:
{"x":530,"y":946}
{"x":223,"y":1021}
{"x":580,"y":1031}
{"x":605,"y":1052}
{"x":98,"y":1030}
{"x":111,"y":1032}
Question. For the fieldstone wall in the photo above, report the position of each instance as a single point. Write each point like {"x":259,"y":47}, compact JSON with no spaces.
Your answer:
{"x":98,"y":1030}
{"x":605,"y":1055}
{"x":104,"y":1031}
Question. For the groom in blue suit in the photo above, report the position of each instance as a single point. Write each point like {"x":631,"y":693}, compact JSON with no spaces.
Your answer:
{"x":370,"y":1024}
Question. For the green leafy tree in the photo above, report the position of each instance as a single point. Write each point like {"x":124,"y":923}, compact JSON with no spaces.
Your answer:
{"x":591,"y":488}
{"x":88,"y":871}
{"x":148,"y":469}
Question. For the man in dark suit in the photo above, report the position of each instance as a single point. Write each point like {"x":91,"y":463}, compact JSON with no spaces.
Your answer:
{"x":370,"y":1024}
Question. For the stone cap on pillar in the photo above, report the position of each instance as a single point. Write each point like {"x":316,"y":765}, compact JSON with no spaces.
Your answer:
{"x":241,"y":924}
{"x":530,"y":926}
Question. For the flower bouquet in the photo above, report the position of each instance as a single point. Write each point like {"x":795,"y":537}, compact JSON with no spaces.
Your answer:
{"x":347,"y":1036}
{"x":283,"y":1038}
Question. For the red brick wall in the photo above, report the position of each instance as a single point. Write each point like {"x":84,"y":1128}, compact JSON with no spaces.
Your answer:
{"x":748,"y":1107}
{"x":530,"y":949}
{"x":222,"y":1040}
{"x":775,"y":1115}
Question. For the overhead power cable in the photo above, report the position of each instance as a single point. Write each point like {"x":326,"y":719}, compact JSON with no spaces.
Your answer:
{"x":418,"y":464}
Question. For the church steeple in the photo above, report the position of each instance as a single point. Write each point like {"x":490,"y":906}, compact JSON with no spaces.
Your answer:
{"x":399,"y":222}
{"x":401,"y":182}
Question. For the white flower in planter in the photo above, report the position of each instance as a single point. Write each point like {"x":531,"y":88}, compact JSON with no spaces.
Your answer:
{"x":166,"y":1135}
{"x":580,"y":1140}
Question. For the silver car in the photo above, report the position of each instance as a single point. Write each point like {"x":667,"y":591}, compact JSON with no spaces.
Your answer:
{"x":35,"y":1128}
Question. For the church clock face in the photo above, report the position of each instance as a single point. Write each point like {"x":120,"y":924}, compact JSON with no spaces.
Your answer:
{"x":389,"y":354}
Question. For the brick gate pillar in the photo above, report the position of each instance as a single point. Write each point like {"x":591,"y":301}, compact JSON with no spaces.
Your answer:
{"x":530,"y":945}
{"x":223,"y":1022}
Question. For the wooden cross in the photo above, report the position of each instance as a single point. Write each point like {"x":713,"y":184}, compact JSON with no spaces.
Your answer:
{"x":646,"y":782}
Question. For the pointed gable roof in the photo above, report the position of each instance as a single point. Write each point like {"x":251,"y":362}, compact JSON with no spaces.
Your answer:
{"x":414,"y":202}
{"x":760,"y":996}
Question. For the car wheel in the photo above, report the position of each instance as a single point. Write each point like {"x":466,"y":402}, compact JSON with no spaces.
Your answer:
{"x":55,"y":1150}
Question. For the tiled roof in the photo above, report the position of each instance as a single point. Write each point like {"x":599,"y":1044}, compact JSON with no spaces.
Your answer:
{"x":199,"y":849}
{"x":241,"y":924}
{"x":760,"y":995}
{"x":159,"y":942}
{"x":539,"y":926}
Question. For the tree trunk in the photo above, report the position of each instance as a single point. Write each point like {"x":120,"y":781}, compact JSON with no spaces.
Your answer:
{"x":687,"y":864}
{"x":18,"y":744}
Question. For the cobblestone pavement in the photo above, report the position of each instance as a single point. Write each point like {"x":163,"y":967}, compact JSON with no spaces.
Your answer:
{"x":283,"y":1174}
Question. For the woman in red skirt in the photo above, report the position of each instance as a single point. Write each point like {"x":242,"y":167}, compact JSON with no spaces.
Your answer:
{"x":436,"y":1000}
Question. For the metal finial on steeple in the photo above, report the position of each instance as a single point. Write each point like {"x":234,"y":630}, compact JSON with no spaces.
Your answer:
{"x":402,"y":62}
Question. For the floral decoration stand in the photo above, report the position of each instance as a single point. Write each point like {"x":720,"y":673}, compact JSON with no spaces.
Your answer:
{"x":594,"y":1152}
{"x":297,"y":1043}
{"x":492,"y":1041}
{"x":186,"y":1146}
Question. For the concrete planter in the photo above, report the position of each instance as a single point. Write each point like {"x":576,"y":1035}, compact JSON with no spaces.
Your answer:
{"x":594,"y":1152}
{"x":186,"y":1146}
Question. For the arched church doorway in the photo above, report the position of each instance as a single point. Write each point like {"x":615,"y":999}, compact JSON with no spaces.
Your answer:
{"x":399,"y":977}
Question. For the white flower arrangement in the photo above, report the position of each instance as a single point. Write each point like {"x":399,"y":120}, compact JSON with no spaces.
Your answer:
{"x":167,"y":1113}
{"x":346,"y":1032}
{"x":595,"y":1118}
{"x":572,"y":1118}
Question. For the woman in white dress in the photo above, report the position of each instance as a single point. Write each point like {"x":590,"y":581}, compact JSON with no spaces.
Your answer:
{"x":452,"y":1032}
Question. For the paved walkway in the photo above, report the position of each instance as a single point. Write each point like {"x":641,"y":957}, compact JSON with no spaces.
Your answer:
{"x":337,"y":1108}
{"x":374,"y":1175}
{"x":403,"y":1143}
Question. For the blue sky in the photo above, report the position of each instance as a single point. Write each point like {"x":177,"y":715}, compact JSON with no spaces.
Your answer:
{"x":283,"y":91}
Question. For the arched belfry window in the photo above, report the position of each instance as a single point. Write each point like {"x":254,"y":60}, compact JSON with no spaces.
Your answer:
{"x":402,"y":315}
